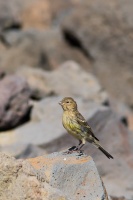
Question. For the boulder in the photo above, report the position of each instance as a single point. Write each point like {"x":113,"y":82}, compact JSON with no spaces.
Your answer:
{"x":36,"y":14}
{"x":14,"y":101}
{"x":55,"y":176}
{"x":104,"y":31}
{"x":38,"y":81}
{"x":67,"y":80}
{"x":38,"y":49}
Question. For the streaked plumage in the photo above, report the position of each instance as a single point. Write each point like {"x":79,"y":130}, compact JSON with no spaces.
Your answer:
{"x":77,"y":126}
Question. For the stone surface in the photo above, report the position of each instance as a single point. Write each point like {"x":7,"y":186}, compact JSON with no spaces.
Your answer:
{"x":14,"y":101}
{"x":38,"y":14}
{"x":118,"y":198}
{"x":104,"y":30}
{"x":117,"y":140}
{"x":43,"y":49}
{"x":21,"y":50}
{"x":55,"y":176}
{"x":68,"y":80}
{"x":9,"y":13}
{"x":38,"y":81}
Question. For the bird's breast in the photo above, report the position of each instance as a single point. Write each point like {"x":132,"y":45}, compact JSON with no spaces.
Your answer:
{"x":66,"y":121}
{"x":70,"y":124}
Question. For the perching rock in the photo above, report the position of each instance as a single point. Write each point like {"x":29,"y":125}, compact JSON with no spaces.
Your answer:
{"x":50,"y":177}
{"x":14,"y":101}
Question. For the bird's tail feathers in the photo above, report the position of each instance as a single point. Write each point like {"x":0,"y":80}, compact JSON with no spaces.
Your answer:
{"x":97,"y":145}
{"x":105,"y":152}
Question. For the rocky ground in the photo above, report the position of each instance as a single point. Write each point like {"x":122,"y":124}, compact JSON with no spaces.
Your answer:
{"x":50,"y":177}
{"x":72,"y":48}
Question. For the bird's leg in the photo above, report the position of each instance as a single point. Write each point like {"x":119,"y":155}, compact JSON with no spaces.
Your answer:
{"x":80,"y":146}
{"x":80,"y":151}
{"x":70,"y":150}
{"x":74,"y":148}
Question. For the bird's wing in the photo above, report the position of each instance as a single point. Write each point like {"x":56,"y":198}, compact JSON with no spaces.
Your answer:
{"x":81,"y":120}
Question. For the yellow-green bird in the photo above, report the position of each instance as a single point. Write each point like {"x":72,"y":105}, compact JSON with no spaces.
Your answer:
{"x":77,"y":126}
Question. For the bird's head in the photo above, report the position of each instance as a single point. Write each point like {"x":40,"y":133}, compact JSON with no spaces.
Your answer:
{"x":68,"y":104}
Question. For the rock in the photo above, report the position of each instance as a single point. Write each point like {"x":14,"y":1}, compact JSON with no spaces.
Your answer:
{"x":130,"y":121}
{"x":55,"y":176}
{"x":20,"y":150}
{"x":83,"y":84}
{"x":38,"y":81}
{"x":9,"y":14}
{"x":117,"y":140}
{"x":80,"y":84}
{"x":118,"y":198}
{"x":99,"y":28}
{"x":14,"y":101}
{"x":21,"y":51}
{"x":36,"y":14}
{"x":51,"y":50}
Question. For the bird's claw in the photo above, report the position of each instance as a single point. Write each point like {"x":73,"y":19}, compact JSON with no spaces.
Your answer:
{"x":81,"y":152}
{"x":74,"y":149}
{"x":71,"y":150}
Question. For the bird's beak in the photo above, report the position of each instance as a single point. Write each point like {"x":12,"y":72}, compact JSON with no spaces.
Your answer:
{"x":60,"y":103}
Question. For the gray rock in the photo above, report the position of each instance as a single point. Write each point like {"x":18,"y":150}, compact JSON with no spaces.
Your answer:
{"x":68,"y":80}
{"x":31,"y":12}
{"x":9,"y":13}
{"x":37,"y":80}
{"x":14,"y":101}
{"x":117,"y":140}
{"x":43,"y":49}
{"x":55,"y":176}
{"x":22,"y":51}
{"x":104,"y":32}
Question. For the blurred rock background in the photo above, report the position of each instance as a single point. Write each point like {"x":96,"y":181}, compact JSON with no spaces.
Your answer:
{"x":76,"y":48}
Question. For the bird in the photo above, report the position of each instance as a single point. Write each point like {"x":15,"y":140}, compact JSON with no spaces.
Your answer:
{"x":77,"y":126}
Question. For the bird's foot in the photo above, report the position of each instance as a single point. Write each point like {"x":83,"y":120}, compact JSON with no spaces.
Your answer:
{"x":70,"y":150}
{"x":73,"y":148}
{"x":81,"y":152}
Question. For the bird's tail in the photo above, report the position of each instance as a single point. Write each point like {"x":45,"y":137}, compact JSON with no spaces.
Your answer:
{"x":96,"y":143}
{"x":105,"y":152}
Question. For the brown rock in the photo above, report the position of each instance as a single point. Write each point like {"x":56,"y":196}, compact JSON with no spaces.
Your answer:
{"x":14,"y":105}
{"x":52,"y":177}
{"x":130,"y":121}
{"x":37,"y":14}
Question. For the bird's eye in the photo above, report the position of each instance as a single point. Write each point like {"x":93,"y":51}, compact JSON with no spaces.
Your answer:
{"x":67,"y":102}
